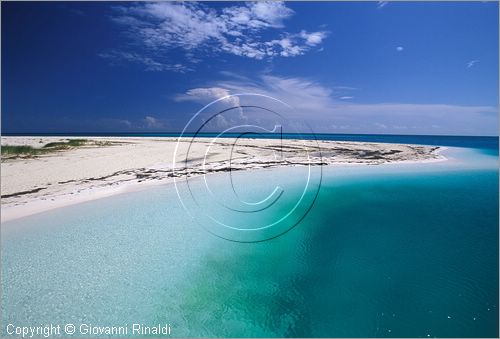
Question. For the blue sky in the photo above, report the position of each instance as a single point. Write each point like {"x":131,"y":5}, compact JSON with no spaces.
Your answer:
{"x":345,"y":67}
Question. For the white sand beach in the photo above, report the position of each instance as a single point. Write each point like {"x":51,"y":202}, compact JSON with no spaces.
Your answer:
{"x":103,"y":166}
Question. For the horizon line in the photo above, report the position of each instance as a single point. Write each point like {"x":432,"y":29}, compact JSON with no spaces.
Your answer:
{"x":67,"y":133}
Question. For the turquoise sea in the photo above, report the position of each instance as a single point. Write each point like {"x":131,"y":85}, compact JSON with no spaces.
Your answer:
{"x":385,"y":251}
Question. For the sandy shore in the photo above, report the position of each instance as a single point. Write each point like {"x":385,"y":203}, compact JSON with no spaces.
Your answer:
{"x":104,"y":166}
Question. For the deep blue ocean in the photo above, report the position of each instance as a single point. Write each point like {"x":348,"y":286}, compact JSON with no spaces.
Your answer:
{"x":406,"y":250}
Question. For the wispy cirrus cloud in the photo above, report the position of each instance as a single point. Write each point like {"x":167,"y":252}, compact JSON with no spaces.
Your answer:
{"x":472,"y":63}
{"x":208,"y":94}
{"x":382,"y":4}
{"x":196,"y":29}
{"x":317,"y":104}
{"x":148,"y":63}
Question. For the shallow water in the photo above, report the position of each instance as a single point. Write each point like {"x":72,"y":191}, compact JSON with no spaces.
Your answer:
{"x":398,"y":250}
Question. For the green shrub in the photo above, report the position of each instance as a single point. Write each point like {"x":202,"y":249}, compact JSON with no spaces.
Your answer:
{"x":65,"y":144}
{"x":24,"y":150}
{"x":21,"y":150}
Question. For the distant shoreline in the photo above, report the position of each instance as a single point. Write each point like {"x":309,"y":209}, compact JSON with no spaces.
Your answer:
{"x":71,"y":173}
{"x":473,"y":141}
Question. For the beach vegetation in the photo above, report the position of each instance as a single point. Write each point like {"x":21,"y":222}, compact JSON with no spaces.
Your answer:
{"x":14,"y":151}
{"x":65,"y":144}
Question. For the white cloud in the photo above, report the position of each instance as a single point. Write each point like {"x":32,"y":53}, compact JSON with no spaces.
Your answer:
{"x":346,"y":97}
{"x":196,"y":28}
{"x":382,"y":4}
{"x":152,"y":122}
{"x":472,"y":63}
{"x":148,"y":63}
{"x":399,"y":48}
{"x":207,"y":95}
{"x":267,"y":14}
{"x":314,"y":38}
{"x":316,"y":104}
{"x":125,"y":122}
